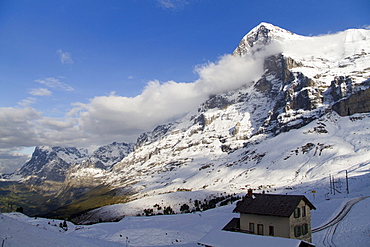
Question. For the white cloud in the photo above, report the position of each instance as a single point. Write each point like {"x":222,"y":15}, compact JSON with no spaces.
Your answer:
{"x":17,"y":130}
{"x":64,"y":57}
{"x":55,"y":83}
{"x":11,"y":160}
{"x":127,"y":117}
{"x":172,"y":4}
{"x":26,"y":127}
{"x":27,"y":102}
{"x":330,"y":46}
{"x":17,"y":126}
{"x":40,"y":92}
{"x":230,"y":73}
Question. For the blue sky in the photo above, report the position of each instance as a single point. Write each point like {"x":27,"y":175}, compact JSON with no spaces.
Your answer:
{"x":65,"y":64}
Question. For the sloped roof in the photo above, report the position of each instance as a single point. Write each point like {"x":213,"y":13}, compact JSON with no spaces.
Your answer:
{"x":233,"y":225}
{"x":270,"y":204}
{"x":219,"y":238}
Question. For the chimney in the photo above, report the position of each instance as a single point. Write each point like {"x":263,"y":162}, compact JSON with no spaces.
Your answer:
{"x":250,"y":193}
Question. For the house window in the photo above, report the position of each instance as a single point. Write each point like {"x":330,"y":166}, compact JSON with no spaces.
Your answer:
{"x":271,"y":230}
{"x":259,"y":229}
{"x":304,"y":211}
{"x":297,"y":213}
{"x":297,"y":231}
{"x":251,"y":227}
{"x":304,"y":229}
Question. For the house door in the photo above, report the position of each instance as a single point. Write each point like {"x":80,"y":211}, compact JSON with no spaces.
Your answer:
{"x":259,"y":229}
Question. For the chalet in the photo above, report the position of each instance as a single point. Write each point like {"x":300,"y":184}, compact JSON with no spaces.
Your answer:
{"x":286,"y":216}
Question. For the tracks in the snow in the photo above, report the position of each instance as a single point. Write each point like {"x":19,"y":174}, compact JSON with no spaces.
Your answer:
{"x":332,"y":224}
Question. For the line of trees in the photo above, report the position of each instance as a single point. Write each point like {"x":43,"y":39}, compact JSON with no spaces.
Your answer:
{"x":192,"y":206}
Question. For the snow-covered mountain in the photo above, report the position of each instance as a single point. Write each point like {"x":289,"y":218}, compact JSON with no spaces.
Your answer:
{"x":284,"y":98}
{"x":306,"y":117}
{"x":51,"y":163}
{"x":106,"y":156}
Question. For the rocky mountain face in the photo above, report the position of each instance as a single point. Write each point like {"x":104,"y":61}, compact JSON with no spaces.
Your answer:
{"x":51,"y":163}
{"x":220,"y":145}
{"x":94,"y":171}
{"x":54,"y":163}
{"x":106,"y":156}
{"x":357,"y":102}
{"x":261,"y":36}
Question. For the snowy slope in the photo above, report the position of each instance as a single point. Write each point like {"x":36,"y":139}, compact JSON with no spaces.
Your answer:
{"x":301,"y":159}
{"x":17,"y":232}
{"x":167,"y":230}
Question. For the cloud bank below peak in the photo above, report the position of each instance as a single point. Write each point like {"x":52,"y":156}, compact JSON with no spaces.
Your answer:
{"x":163,"y":102}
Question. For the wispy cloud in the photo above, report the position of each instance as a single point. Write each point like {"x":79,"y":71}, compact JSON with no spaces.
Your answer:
{"x":172,"y":4}
{"x":55,"y":83}
{"x":64,"y":57}
{"x":27,"y":102}
{"x":40,"y":92}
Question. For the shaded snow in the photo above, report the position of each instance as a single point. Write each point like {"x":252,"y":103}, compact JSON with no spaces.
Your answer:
{"x":17,"y":232}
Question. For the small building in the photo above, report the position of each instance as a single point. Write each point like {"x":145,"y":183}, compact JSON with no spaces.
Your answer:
{"x":286,"y":216}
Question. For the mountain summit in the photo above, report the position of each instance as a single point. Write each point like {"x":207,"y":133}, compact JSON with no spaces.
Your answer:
{"x":260,"y":36}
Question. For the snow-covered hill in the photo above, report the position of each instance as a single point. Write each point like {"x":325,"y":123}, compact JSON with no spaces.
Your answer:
{"x":19,"y":230}
{"x":166,"y":230}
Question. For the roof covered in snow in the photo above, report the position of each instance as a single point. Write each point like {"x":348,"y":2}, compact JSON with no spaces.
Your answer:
{"x":270,"y":204}
{"x":219,"y":238}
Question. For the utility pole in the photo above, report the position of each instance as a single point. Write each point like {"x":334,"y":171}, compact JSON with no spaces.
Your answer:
{"x":333,"y":186}
{"x":331,"y":190}
{"x":347,"y":182}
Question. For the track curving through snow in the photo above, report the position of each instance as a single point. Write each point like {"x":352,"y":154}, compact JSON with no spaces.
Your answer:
{"x":331,"y":225}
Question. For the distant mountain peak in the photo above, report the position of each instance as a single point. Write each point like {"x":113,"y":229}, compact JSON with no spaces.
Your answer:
{"x":260,"y":36}
{"x":110,"y":154}
{"x":52,"y":163}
